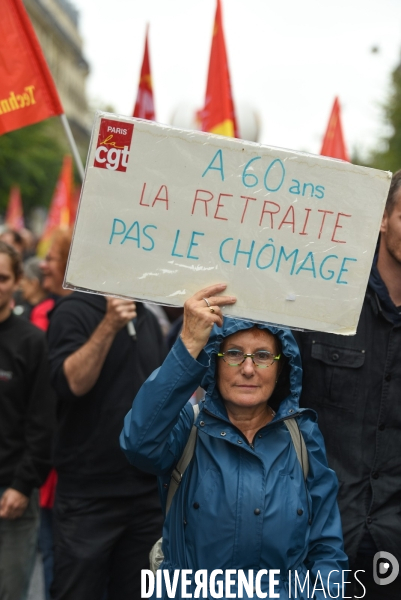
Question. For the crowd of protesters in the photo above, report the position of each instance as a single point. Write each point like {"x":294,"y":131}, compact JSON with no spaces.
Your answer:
{"x":95,"y":532}
{"x":70,"y":366}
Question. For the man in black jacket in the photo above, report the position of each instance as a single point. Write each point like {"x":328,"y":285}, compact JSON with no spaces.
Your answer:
{"x":26,"y":428}
{"x":107,"y":513}
{"x":354,"y":384}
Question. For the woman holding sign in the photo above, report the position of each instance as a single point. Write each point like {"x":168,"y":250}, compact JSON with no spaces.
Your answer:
{"x":255,"y":513}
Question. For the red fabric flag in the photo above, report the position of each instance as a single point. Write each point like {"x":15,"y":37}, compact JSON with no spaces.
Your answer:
{"x":218,"y":115}
{"x":74,"y":204}
{"x":60,"y":206}
{"x":15,"y":214}
{"x":333,"y":142}
{"x":145,"y":107}
{"x":27,"y":91}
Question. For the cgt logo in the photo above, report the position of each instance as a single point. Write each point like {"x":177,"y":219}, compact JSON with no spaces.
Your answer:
{"x":385,"y":568}
{"x":113,"y":145}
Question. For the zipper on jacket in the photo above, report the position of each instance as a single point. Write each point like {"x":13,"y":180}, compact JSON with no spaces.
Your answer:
{"x":231,"y":424}
{"x":267,"y":425}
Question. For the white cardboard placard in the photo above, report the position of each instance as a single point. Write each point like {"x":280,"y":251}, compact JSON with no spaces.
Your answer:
{"x":165,"y":212}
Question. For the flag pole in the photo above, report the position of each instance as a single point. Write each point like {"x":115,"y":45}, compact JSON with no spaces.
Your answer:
{"x":73,"y":146}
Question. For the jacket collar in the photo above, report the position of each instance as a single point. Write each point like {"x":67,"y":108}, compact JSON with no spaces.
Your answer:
{"x":385,"y":305}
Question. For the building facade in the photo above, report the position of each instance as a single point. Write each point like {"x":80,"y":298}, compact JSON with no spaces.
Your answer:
{"x":56,"y":25}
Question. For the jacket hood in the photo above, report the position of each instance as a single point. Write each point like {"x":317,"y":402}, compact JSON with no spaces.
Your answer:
{"x":285,"y":398}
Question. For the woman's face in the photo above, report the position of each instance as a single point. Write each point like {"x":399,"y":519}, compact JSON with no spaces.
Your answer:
{"x":247,"y":385}
{"x":8,"y":285}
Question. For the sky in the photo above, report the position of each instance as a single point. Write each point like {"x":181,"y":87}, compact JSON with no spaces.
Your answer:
{"x":288,"y":60}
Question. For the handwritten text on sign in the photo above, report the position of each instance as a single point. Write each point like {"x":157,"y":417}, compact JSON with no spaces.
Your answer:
{"x":165,"y":212}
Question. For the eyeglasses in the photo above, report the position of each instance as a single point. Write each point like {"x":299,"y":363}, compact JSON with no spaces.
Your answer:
{"x":261,"y":358}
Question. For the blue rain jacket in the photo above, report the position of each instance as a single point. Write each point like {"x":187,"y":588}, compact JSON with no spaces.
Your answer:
{"x":240,"y":506}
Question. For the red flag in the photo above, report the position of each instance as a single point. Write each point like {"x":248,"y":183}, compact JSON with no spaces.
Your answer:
{"x":27,"y":91}
{"x":145,"y":107}
{"x":74,"y":204}
{"x":333,"y":142}
{"x":60,"y":206}
{"x":218,"y":115}
{"x":15,"y":214}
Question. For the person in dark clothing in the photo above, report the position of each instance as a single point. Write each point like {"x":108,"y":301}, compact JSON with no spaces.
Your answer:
{"x":354,"y":384}
{"x":107,"y":513}
{"x":51,"y":277}
{"x":26,"y":427}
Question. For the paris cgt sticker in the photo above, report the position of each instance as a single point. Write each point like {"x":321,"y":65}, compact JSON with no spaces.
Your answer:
{"x":113,"y":145}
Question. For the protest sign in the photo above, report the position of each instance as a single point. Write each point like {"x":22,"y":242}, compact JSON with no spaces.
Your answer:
{"x":165,"y":212}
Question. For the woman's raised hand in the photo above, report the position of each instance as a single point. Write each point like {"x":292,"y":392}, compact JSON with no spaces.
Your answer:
{"x":201,"y":312}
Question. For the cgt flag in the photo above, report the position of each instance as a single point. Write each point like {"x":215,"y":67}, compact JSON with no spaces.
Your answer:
{"x":15,"y":214}
{"x":60,"y":206}
{"x":76,"y":194}
{"x":333,"y":142}
{"x":145,"y":107}
{"x":218,"y":115}
{"x":27,"y":91}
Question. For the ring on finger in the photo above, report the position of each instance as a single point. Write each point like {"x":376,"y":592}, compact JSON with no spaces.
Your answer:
{"x":207,"y":301}
{"x":211,"y":309}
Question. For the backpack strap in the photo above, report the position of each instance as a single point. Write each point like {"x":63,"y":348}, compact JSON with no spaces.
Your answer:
{"x":176,"y":475}
{"x":299,"y":444}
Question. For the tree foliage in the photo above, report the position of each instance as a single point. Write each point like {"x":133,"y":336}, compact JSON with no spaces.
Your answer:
{"x":389,"y":158}
{"x":31,"y":158}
